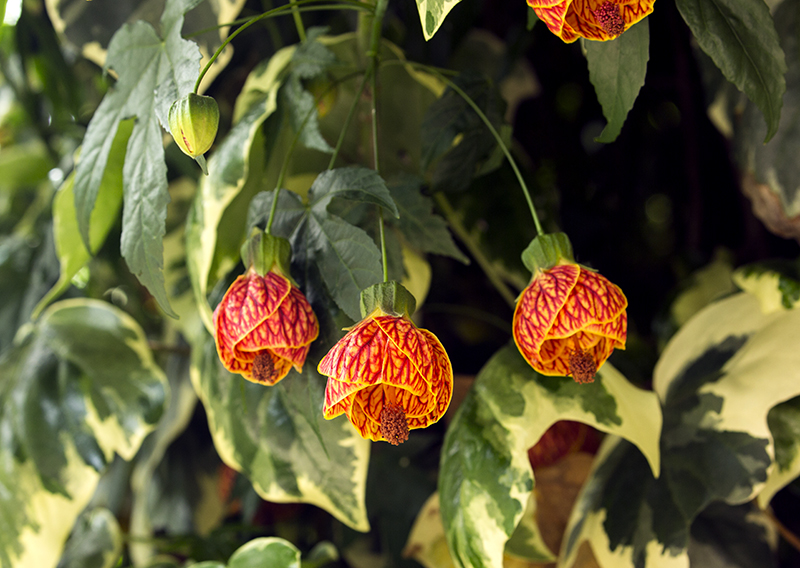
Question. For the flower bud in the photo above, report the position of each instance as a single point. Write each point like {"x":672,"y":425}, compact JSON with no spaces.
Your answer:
{"x":194,"y":120}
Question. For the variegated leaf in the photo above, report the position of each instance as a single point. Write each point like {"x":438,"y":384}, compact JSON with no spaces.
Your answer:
{"x":486,"y":477}
{"x":80,"y":386}
{"x":278,"y":438}
{"x":432,"y":13}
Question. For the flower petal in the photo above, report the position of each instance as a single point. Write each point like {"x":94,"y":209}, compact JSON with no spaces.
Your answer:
{"x":358,"y":356}
{"x":249,"y":301}
{"x":337,"y":394}
{"x":593,"y":300}
{"x":367,"y":427}
{"x":292,"y":324}
{"x":440,"y":375}
{"x":539,"y":306}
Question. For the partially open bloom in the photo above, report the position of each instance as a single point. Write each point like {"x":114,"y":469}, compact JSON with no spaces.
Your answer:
{"x":569,"y":320}
{"x":598,"y":20}
{"x":388,"y":376}
{"x":264,"y":326}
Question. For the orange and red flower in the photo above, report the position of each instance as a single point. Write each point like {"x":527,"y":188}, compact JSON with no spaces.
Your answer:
{"x":598,"y":20}
{"x":569,"y":320}
{"x":264,"y":326}
{"x":388,"y":376}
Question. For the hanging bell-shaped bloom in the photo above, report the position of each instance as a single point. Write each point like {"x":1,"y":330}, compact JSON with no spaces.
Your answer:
{"x":387,"y":375}
{"x":598,"y":20}
{"x":193,"y":122}
{"x":264,"y":324}
{"x":569,"y":319}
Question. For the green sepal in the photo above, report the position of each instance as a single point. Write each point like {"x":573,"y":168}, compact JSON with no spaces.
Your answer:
{"x":391,"y":297}
{"x":264,"y":252}
{"x":545,"y":251}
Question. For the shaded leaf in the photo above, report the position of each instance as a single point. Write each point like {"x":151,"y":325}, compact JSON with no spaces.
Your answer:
{"x":153,"y":71}
{"x":740,"y":38}
{"x":81,"y":386}
{"x":486,"y":476}
{"x":725,"y":536}
{"x":423,"y":229}
{"x":455,"y":141}
{"x":617,"y":70}
{"x":72,"y":253}
{"x":96,"y":541}
{"x":784,"y":425}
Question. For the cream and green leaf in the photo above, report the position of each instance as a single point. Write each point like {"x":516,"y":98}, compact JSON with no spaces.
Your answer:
{"x":727,"y":383}
{"x":278,"y":438}
{"x":486,"y":478}
{"x":82,"y":386}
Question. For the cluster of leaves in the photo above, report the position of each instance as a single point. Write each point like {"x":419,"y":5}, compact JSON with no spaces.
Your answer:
{"x":83,"y":380}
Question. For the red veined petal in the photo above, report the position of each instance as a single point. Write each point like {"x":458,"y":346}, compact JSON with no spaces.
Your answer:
{"x":593,"y":300}
{"x":358,"y":356}
{"x":539,"y":305}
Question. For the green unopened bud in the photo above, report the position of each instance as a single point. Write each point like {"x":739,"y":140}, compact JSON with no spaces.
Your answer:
{"x":194,"y":120}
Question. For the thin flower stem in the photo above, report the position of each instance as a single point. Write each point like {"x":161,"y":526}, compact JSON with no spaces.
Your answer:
{"x":491,"y":128}
{"x":787,"y":535}
{"x":281,"y":11}
{"x":298,"y":21}
{"x":350,"y":114}
{"x":464,"y":236}
{"x":374,"y":53}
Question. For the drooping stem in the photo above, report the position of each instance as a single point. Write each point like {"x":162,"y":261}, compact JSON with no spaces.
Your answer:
{"x":383,"y":246}
{"x":283,"y":10}
{"x":464,"y":236}
{"x":491,"y":128}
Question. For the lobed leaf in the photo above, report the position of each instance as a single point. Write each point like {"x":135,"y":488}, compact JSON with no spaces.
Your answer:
{"x":740,"y":37}
{"x":617,"y":70}
{"x":153,"y":71}
{"x":486,"y":477}
{"x":423,"y":229}
{"x":96,"y":541}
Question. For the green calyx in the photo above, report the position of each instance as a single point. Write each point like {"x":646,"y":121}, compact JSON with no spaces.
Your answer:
{"x":546,"y":251}
{"x":193,"y":122}
{"x":265,"y":253}
{"x":390,"y":297}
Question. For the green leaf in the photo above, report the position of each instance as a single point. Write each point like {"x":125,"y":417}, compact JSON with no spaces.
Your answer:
{"x":532,"y":19}
{"x":355,"y":184}
{"x":266,"y":434}
{"x":725,"y":536}
{"x":486,"y":477}
{"x":2,"y":11}
{"x":80,"y":386}
{"x":72,"y":253}
{"x":456,"y":144}
{"x":617,"y":70}
{"x":96,"y":541}
{"x":424,"y":230}
{"x":345,"y":255}
{"x":774,"y":163}
{"x":267,"y":551}
{"x":24,"y":165}
{"x":153,"y":71}
{"x":310,"y":60}
{"x":432,"y":13}
{"x":740,"y":37}
{"x":784,"y":425}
